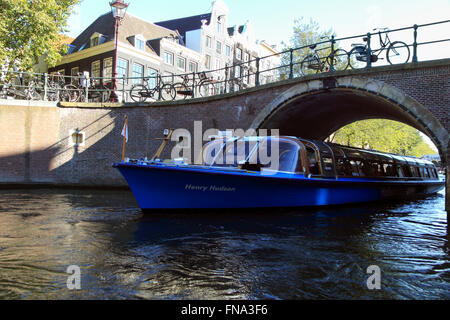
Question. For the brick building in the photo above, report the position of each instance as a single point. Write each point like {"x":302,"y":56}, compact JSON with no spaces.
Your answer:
{"x":144,"y":49}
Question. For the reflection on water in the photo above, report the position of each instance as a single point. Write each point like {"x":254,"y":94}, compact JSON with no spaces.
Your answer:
{"x":275,"y":254}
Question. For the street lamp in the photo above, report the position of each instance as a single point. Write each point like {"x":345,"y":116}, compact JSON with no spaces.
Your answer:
{"x":118,"y":10}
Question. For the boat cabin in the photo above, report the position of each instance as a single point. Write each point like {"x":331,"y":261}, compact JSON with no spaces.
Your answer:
{"x":312,"y":159}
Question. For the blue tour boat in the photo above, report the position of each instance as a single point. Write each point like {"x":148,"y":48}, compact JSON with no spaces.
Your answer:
{"x":261,"y":172}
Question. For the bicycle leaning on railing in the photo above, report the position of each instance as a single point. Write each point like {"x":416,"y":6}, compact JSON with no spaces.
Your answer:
{"x":17,"y":89}
{"x":397,"y":51}
{"x":161,"y":91}
{"x":207,"y":86}
{"x":314,"y":63}
{"x":183,"y":89}
{"x":51,"y":87}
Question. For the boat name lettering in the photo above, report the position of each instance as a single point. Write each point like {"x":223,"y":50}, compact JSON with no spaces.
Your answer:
{"x":209,"y":188}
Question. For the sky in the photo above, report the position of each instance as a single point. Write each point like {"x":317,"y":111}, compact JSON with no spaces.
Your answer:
{"x":273,"y":20}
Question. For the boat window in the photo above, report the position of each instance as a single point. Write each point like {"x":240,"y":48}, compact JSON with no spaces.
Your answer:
{"x":389,"y":170}
{"x":211,"y":150}
{"x":435,"y":173}
{"x":288,"y":155}
{"x":327,"y":164}
{"x":407,"y":170}
{"x":362,"y":168}
{"x":352,"y":168}
{"x":340,"y":167}
{"x":378,"y":169}
{"x":415,"y":171}
{"x":234,"y":153}
{"x":312,"y":159}
{"x":423,"y":172}
{"x":400,"y":172}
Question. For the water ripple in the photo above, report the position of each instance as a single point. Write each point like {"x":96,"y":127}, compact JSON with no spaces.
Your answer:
{"x":297,"y":254}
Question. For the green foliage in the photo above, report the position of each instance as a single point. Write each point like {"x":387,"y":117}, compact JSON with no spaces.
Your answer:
{"x":30,"y":29}
{"x":305,"y":34}
{"x":383,"y":135}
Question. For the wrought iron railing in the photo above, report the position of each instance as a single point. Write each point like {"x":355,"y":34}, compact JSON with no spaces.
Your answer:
{"x":327,"y":55}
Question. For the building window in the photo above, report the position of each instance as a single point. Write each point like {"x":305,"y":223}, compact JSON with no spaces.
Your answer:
{"x":219,"y":27}
{"x":138,"y":73}
{"x":193,"y":67}
{"x":152,"y":74}
{"x":94,"y":41}
{"x":208,"y":61}
{"x":140,"y":44}
{"x":237,"y":72}
{"x":219,"y":47}
{"x":228,"y":51}
{"x":208,"y":42}
{"x":181,"y":63}
{"x":217,"y":63}
{"x":246,"y":57}
{"x":122,"y":68}
{"x":107,"y":70}
{"x":238,"y":54}
{"x":168,"y":57}
{"x":95,"y":69}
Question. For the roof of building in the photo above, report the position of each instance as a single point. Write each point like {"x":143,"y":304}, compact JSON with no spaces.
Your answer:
{"x":131,"y":26}
{"x":183,"y":25}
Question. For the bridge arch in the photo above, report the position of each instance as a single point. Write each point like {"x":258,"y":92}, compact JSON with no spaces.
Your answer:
{"x":315,"y":109}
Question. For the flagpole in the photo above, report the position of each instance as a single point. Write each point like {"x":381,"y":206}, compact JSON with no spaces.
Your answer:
{"x":124,"y":130}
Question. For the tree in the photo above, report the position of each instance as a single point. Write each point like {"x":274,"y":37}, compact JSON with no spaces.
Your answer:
{"x":304,"y":35}
{"x":383,"y":135}
{"x":30,"y":29}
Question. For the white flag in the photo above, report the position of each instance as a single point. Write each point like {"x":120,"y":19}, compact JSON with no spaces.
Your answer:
{"x":125,"y":131}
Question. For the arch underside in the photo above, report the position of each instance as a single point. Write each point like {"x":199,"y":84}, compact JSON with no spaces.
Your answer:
{"x":317,"y":114}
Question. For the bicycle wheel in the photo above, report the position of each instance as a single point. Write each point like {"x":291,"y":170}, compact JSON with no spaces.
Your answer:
{"x":339,"y":61}
{"x":398,"y":52}
{"x":32,"y":94}
{"x":70,"y":93}
{"x":168,"y":92}
{"x":310,"y":65}
{"x":139,"y":93}
{"x":357,"y":58}
{"x":182,"y":91}
{"x":207,"y":89}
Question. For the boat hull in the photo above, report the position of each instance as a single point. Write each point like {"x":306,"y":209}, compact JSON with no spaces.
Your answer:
{"x":189,"y":187}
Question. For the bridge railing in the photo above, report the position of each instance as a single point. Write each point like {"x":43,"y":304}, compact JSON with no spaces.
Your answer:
{"x":325,"y":55}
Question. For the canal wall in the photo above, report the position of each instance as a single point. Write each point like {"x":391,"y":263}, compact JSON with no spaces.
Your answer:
{"x":37,"y":143}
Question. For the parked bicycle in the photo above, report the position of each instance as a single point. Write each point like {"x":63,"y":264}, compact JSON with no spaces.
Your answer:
{"x":97,"y":90}
{"x":183,"y":89}
{"x":207,"y":86}
{"x":314,"y":63}
{"x":58,"y":90}
{"x":163,"y":91}
{"x":397,"y":51}
{"x":17,"y":89}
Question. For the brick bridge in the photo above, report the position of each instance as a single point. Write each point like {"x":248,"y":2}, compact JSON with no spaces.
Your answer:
{"x":37,"y":146}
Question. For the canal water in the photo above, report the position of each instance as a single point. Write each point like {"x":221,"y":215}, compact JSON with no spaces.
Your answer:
{"x":297,"y":254}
